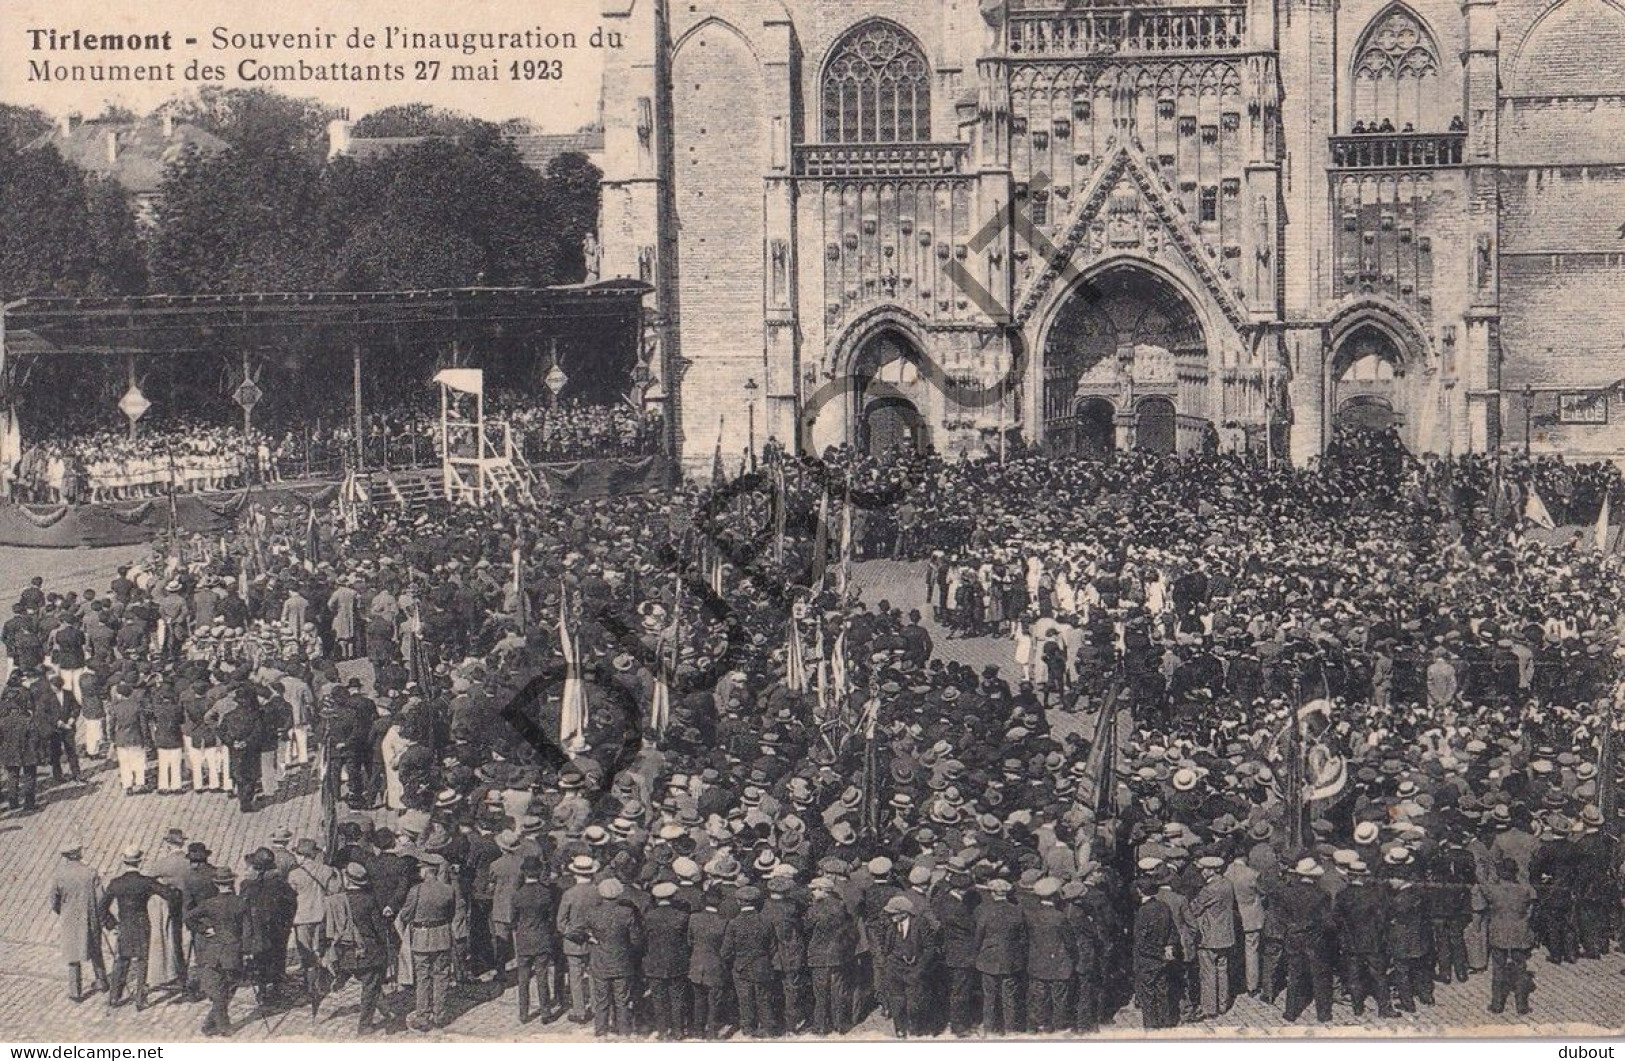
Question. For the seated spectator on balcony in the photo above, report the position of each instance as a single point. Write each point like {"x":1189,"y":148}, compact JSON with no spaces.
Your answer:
{"x":1387,"y":126}
{"x":1457,"y":125}
{"x":1359,"y":127}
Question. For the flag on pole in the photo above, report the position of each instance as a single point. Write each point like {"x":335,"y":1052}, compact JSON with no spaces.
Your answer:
{"x":1602,"y":523}
{"x":313,"y":539}
{"x":795,"y":662}
{"x":840,"y":680}
{"x":779,"y":505}
{"x":521,"y":597}
{"x":573,"y":719}
{"x":820,"y":557}
{"x":716,"y":571}
{"x":823,"y":712}
{"x":843,"y":573}
{"x":717,"y":475}
{"x":666,"y":657}
{"x":1534,"y":510}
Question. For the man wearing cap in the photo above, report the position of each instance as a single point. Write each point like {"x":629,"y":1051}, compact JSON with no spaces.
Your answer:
{"x":1001,"y":958}
{"x":1410,"y":943}
{"x":574,"y":905}
{"x":1511,"y":902}
{"x":1049,"y":962}
{"x":76,"y":899}
{"x":956,"y":929}
{"x":910,"y":949}
{"x":1212,"y":912}
{"x":665,"y":962}
{"x":832,"y":941}
{"x":1305,"y":920}
{"x":1361,"y":913}
{"x":535,"y":939}
{"x":434,"y":919}
{"x":747,"y":952}
{"x":219,"y":925}
{"x":783,"y":915}
{"x":1156,"y":955}
{"x":362,"y":941}
{"x":130,"y":894}
{"x":614,"y":934}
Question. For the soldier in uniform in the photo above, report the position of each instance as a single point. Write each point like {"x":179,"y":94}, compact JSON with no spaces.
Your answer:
{"x":1049,"y":964}
{"x":434,"y":918}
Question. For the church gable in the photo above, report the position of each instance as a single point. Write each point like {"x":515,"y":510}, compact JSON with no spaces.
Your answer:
{"x":1127,"y":209}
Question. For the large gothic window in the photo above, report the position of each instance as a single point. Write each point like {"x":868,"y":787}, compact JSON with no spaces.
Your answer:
{"x":877,"y":88}
{"x":1396,"y":74}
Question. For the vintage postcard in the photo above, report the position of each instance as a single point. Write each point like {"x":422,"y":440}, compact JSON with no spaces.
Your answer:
{"x":811,"y":519}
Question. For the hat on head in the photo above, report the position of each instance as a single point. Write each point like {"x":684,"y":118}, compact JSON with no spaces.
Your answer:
{"x":880,"y":866}
{"x":583,"y":866}
{"x":663,"y":890}
{"x":1184,"y":779}
{"x":1210,"y":862}
{"x":1365,"y":833}
{"x":898,"y":906}
{"x":197,"y":852}
{"x":610,"y":888}
{"x":222,"y":875}
{"x":1308,"y":867}
{"x":1047,"y":887}
{"x":919,"y":876}
{"x":133,"y":855}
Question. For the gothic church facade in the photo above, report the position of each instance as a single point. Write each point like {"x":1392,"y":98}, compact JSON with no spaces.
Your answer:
{"x":1236,"y":224}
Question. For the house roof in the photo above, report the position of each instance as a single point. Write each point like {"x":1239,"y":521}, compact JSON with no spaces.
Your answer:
{"x":142,"y":154}
{"x":536,"y":150}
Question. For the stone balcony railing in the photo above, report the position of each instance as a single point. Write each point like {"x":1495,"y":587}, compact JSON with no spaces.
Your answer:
{"x":830,"y":161}
{"x":1116,"y":30}
{"x":1396,"y":150}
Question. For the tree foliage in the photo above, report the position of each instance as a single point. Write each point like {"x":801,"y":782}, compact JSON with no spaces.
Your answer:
{"x":415,"y":119}
{"x":65,"y":233}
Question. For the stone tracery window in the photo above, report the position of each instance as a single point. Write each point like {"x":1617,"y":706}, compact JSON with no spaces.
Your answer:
{"x":1396,"y":74}
{"x":877,"y":88}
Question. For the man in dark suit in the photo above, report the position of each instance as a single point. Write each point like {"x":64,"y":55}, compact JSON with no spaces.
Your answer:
{"x":1049,"y":961}
{"x":1361,"y":912}
{"x":956,"y":923}
{"x":130,"y":893}
{"x":1001,"y":955}
{"x":1305,"y":919}
{"x":783,"y":915}
{"x":219,"y":925}
{"x":747,"y":953}
{"x":665,"y":962}
{"x":271,"y":902}
{"x":535,"y":942}
{"x":615,"y":936}
{"x":909,"y":944}
{"x":832,"y":943}
{"x":1156,"y":940}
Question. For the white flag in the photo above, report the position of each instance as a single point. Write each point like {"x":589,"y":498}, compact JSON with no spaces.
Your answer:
{"x":1602,"y":524}
{"x":573,"y":704}
{"x":467,"y":380}
{"x":1534,"y":510}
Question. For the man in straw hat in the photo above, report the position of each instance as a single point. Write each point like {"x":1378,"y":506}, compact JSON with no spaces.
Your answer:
{"x":131,"y":893}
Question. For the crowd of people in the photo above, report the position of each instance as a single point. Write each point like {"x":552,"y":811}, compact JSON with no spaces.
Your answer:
{"x":1325,"y":736}
{"x":99,"y":464}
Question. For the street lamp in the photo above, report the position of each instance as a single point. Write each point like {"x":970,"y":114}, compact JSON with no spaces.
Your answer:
{"x":1528,"y":417}
{"x":751,"y":387}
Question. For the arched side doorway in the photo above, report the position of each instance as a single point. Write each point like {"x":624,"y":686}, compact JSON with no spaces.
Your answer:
{"x":1117,"y":336}
{"x":1096,"y":426}
{"x":1156,"y":427}
{"x":1369,"y":388}
{"x":889,"y":396}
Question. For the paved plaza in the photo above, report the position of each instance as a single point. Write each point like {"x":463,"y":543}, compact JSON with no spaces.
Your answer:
{"x":1575,"y":999}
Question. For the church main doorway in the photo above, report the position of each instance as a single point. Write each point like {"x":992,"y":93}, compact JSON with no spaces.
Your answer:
{"x":1114,"y":337}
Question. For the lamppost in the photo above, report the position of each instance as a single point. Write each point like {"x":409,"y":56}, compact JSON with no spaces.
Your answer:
{"x":751,"y":387}
{"x":1528,"y":417}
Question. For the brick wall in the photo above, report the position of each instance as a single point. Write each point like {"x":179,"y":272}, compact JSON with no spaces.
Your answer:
{"x":1571,"y":305}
